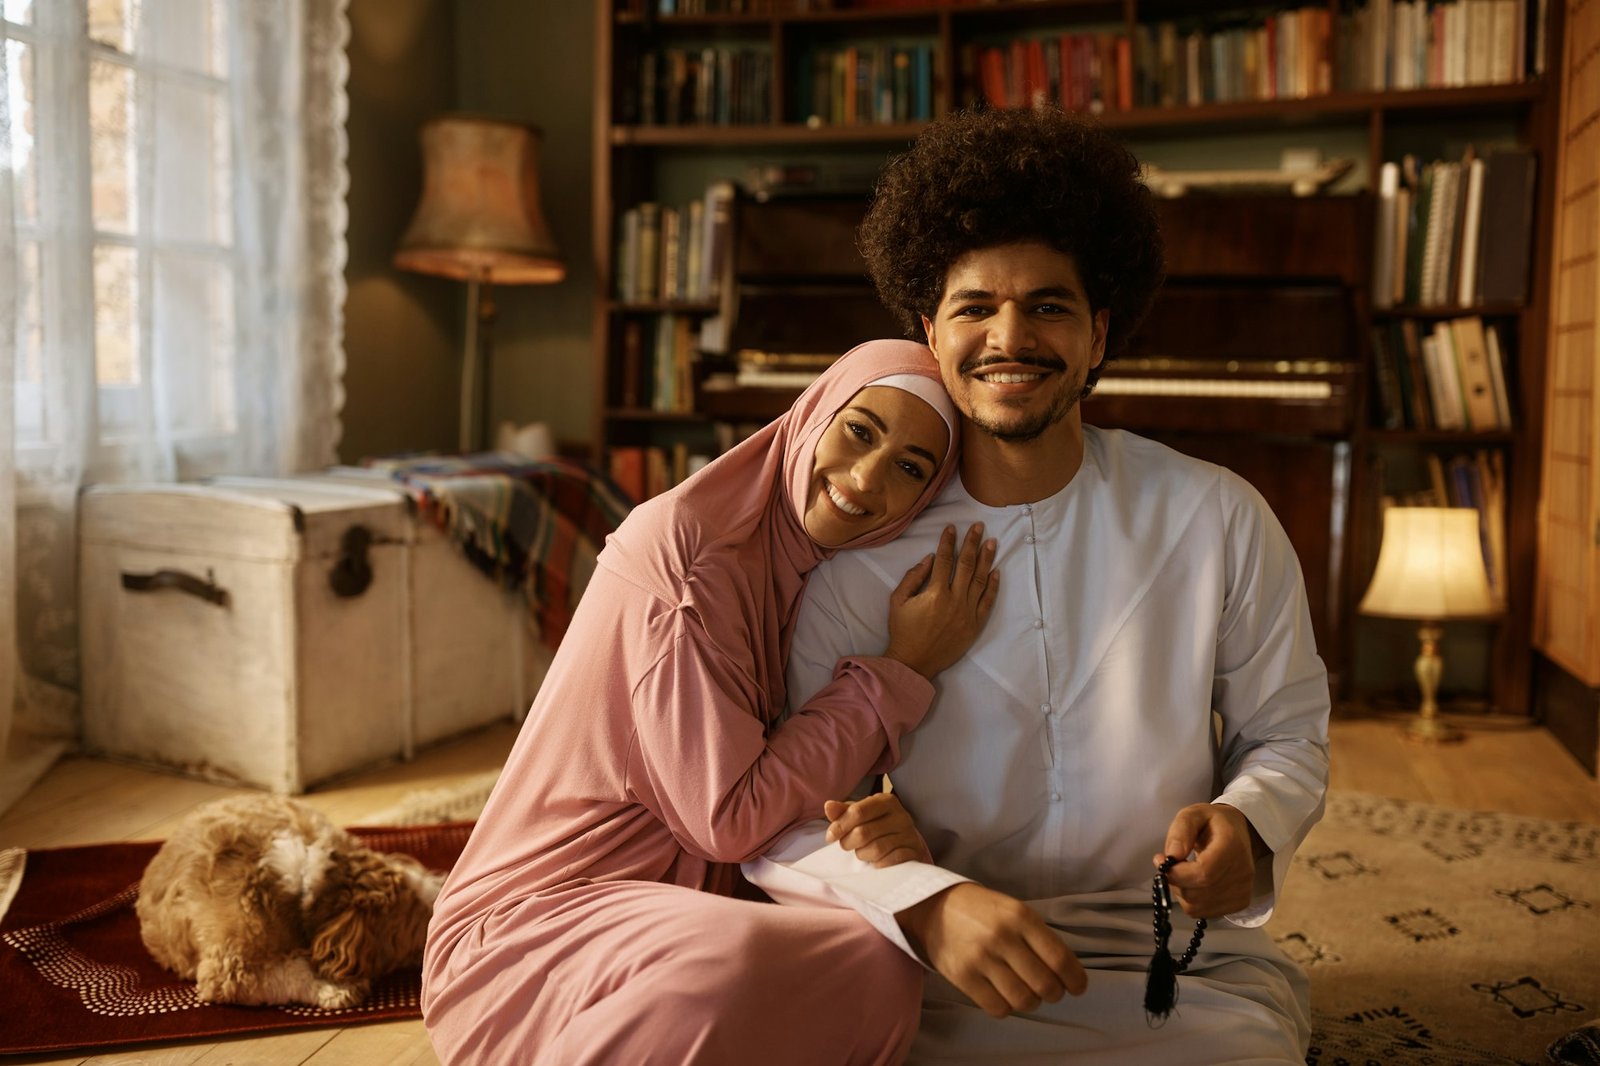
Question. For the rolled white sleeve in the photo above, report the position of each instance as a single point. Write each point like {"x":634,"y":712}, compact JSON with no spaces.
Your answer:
{"x":804,"y":869}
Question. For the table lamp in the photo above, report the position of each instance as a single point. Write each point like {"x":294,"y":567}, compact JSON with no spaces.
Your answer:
{"x":479,"y":221}
{"x":1430,"y":568}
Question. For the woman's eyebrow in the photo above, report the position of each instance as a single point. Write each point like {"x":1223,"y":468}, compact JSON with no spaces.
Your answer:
{"x":883,"y":428}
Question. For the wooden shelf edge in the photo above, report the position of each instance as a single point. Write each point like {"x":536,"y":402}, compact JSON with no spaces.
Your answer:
{"x":1325,"y":107}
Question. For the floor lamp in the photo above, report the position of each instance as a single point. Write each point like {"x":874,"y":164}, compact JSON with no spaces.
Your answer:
{"x":1430,"y":568}
{"x":479,"y":221}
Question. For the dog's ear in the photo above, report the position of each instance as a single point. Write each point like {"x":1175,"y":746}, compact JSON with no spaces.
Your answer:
{"x":344,"y":946}
{"x":350,"y":941}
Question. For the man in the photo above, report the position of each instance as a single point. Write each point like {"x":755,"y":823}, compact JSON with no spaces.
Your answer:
{"x":1147,"y":685}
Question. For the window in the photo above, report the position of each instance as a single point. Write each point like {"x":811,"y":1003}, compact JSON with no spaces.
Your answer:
{"x":122,"y":154}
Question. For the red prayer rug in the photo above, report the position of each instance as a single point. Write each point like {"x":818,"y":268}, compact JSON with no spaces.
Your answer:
{"x":74,"y":973}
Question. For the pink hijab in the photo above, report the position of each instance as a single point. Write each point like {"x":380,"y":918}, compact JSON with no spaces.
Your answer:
{"x":729,"y":543}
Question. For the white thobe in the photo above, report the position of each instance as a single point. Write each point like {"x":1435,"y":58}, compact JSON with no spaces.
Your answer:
{"x":1150,"y":648}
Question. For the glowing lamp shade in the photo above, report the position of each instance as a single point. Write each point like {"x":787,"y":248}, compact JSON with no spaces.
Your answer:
{"x":1430,"y":567}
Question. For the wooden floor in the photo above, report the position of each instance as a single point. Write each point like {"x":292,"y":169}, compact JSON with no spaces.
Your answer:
{"x":1503,"y":765}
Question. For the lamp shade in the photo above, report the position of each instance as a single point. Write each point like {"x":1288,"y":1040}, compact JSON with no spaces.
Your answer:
{"x":1430,"y":566}
{"x":480,"y":216}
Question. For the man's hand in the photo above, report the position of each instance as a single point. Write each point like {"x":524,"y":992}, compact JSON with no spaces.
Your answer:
{"x":993,"y":948}
{"x":1221,"y":878}
{"x":878,"y":829}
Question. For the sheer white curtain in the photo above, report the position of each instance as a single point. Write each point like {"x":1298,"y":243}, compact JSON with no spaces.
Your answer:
{"x":172,"y":180}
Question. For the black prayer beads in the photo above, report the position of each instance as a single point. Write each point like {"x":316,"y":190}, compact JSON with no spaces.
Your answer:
{"x":1161,"y":984}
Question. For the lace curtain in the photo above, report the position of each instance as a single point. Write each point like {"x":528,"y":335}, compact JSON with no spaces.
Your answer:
{"x":172,"y":190}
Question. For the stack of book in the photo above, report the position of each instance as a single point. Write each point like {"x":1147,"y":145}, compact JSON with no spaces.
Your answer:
{"x":659,"y":353}
{"x":779,"y":370}
{"x":674,"y":254}
{"x":864,"y":85}
{"x":643,"y":471}
{"x":1455,"y":232}
{"x":1091,"y":72}
{"x":1453,"y":377}
{"x":702,"y":86}
{"x":1280,"y":56}
{"x":1414,"y":44}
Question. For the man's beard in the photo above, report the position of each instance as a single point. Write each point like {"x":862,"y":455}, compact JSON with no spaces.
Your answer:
{"x":1034,"y":426}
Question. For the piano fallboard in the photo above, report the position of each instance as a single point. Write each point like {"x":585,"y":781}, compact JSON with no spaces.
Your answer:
{"x":1294,"y":397}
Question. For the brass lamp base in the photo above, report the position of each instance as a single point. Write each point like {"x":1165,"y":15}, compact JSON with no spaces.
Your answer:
{"x":1428,"y":729}
{"x":1432,"y":731}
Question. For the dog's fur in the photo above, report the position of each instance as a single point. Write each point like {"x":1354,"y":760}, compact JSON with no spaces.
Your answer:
{"x":260,"y":899}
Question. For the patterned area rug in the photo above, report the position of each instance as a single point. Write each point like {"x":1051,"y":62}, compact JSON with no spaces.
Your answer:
{"x":75,"y":973}
{"x":1437,"y":936}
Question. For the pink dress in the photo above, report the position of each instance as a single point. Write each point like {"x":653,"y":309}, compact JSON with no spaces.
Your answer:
{"x":589,"y":918}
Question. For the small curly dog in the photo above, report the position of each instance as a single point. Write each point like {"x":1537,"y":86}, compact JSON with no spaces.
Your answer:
{"x":260,"y":899}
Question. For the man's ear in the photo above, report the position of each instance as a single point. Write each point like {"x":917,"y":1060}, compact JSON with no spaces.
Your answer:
{"x":1102,"y":326}
{"x":927,"y":328}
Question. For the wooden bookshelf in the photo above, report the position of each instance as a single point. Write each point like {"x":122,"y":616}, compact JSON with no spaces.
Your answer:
{"x":636,"y":160}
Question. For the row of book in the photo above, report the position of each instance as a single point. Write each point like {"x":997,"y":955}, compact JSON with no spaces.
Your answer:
{"x":1454,"y":376}
{"x":1415,"y":44}
{"x":1280,"y":56}
{"x":674,"y":253}
{"x":658,"y":357}
{"x":702,"y":86}
{"x":850,"y":86}
{"x":646,"y":470}
{"x":1090,"y":72}
{"x":1477,"y":480}
{"x":1455,"y":232}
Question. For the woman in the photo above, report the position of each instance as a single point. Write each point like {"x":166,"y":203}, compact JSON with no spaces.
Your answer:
{"x":588,"y":919}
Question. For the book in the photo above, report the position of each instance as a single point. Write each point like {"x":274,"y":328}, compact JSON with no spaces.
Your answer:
{"x":647,"y":269}
{"x":1421,"y":409}
{"x":632,"y":388}
{"x":1436,"y":403}
{"x":1472,"y":214}
{"x":1389,"y":410}
{"x":1420,"y":179}
{"x":1383,"y":255}
{"x":1506,"y":234}
{"x":714,"y":256}
{"x":1440,"y":246}
{"x":1477,"y":388}
{"x":1491,"y":472}
{"x":1402,"y":241}
{"x":657,"y":472}
{"x":626,"y":467}
{"x":1453,"y":414}
{"x":1498,"y":372}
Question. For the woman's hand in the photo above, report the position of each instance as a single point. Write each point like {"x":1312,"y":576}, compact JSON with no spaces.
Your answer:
{"x":941,"y":604}
{"x":878,"y":829}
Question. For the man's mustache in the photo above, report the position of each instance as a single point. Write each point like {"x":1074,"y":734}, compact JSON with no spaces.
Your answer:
{"x":977,"y":364}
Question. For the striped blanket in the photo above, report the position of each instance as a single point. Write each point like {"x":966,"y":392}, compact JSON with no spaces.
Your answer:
{"x":537,"y":526}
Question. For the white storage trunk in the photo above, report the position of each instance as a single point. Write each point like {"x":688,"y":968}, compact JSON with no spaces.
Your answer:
{"x":240,"y":630}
